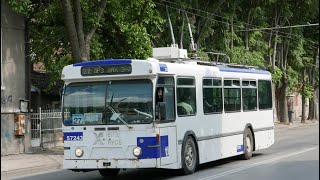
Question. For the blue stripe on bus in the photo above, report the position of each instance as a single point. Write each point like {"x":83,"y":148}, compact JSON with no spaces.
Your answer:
{"x":153,"y":152}
{"x":244,"y":71}
{"x":240,"y":148}
{"x":163,"y":67}
{"x":109,"y":61}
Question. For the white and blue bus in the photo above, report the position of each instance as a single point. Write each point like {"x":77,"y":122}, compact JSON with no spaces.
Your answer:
{"x":171,"y":114}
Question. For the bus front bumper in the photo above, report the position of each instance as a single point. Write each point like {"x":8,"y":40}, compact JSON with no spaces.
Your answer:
{"x":80,"y":164}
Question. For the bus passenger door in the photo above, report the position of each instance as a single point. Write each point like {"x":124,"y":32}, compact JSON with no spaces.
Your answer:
{"x":168,"y":131}
{"x":168,"y":145}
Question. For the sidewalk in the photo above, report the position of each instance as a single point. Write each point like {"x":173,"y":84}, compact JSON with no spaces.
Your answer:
{"x":296,"y":123}
{"x":31,"y":163}
{"x":51,"y":159}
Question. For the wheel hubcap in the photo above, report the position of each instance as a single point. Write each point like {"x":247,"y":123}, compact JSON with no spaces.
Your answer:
{"x":189,"y":155}
{"x":248,"y":144}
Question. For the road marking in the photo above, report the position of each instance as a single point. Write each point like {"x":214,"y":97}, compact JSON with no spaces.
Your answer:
{"x":255,"y":164}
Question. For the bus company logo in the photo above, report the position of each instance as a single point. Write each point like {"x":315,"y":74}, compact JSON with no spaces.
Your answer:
{"x":163,"y":68}
{"x":113,"y":138}
{"x":98,"y":138}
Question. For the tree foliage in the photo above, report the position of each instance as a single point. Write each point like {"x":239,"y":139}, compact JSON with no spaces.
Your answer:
{"x":129,"y":29}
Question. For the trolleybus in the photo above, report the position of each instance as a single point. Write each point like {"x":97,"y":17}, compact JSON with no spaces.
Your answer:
{"x":172,"y":113}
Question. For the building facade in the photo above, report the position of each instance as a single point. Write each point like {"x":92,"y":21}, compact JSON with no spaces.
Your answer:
{"x":13,"y":82}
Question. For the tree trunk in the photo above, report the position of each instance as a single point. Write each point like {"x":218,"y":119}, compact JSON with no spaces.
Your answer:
{"x":79,"y":29}
{"x":87,"y":49}
{"x":283,"y":63}
{"x":283,"y":108}
{"x":198,"y":29}
{"x":303,"y":116}
{"x":316,"y":103}
{"x":269,"y":49}
{"x":71,"y":30}
{"x":246,"y":35}
{"x":232,"y":31}
{"x":313,"y":103}
{"x":79,"y":41}
{"x":275,"y":100}
{"x":311,"y":114}
{"x":274,"y":54}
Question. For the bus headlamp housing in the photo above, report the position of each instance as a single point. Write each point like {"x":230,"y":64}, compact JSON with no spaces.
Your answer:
{"x":137,"y":151}
{"x":78,"y":152}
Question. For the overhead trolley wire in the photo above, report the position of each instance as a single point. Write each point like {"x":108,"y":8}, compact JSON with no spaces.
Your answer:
{"x":288,"y":35}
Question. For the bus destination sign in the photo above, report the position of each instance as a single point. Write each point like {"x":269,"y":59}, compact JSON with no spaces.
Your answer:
{"x":106,"y":70}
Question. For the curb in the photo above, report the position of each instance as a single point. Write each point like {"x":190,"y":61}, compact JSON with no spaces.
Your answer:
{"x":30,"y":171}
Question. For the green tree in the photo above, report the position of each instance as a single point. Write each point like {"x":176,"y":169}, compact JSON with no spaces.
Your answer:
{"x":80,"y":32}
{"x":122,"y":29}
{"x":65,"y":32}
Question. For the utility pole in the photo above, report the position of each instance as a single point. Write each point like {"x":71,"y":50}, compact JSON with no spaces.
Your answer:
{"x":27,"y":63}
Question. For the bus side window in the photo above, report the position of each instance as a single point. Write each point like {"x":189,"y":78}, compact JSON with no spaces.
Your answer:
{"x":186,"y":96}
{"x":232,"y":96}
{"x":249,"y":95}
{"x":169,"y":99}
{"x":212,"y":95}
{"x":265,"y":94}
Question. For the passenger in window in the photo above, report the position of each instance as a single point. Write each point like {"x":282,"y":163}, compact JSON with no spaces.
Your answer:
{"x":252,"y":103}
{"x":207,"y":107}
{"x":184,"y":105}
{"x":159,"y":97}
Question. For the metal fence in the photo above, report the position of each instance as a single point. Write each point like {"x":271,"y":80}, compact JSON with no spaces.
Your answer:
{"x":46,"y":128}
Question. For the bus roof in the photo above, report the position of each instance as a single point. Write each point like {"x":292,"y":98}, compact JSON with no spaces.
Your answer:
{"x":133,"y":68}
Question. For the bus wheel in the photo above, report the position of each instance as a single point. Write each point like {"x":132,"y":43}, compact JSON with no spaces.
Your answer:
{"x":109,"y":172}
{"x":247,"y":144}
{"x":189,"y":156}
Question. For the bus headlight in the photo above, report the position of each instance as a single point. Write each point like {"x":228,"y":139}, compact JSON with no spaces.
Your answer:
{"x":78,"y":152}
{"x":137,"y":151}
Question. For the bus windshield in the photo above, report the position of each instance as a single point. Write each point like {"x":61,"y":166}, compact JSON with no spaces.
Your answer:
{"x":108,"y":103}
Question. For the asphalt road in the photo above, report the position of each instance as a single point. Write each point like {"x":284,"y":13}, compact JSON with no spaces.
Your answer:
{"x":294,"y":156}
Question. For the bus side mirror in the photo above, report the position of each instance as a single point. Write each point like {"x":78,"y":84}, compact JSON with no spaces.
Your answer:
{"x":161,"y":111}
{"x":61,"y":92}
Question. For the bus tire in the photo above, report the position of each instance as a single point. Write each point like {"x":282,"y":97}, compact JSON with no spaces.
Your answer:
{"x":189,"y":156}
{"x":247,"y":144}
{"x":109,"y":172}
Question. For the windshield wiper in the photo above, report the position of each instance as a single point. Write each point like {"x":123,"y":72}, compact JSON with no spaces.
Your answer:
{"x":123,"y":121}
{"x":143,"y":113}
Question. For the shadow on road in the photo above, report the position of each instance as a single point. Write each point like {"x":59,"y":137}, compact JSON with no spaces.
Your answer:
{"x":221,"y":162}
